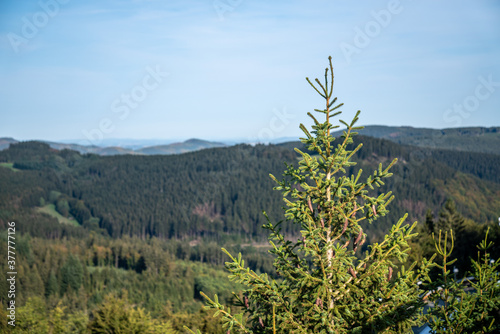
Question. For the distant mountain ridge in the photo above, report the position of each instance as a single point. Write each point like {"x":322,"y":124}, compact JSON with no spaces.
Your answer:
{"x":189,"y":145}
{"x":5,"y":142}
{"x":472,"y":139}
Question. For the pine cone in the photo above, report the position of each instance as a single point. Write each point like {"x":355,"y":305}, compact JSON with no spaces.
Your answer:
{"x":358,"y":238}
{"x":346,"y":222}
{"x":246,"y":301}
{"x":309,"y":204}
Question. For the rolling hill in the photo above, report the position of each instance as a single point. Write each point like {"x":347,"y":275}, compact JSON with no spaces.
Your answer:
{"x":174,"y":148}
{"x":473,"y":139}
{"x":221,"y":192}
{"x":177,"y":148}
{"x":5,"y":142}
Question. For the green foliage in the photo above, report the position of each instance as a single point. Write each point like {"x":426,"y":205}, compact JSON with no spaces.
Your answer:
{"x":109,"y":266}
{"x":465,"y":233}
{"x":117,"y":315}
{"x":56,"y":320}
{"x":326,"y":285}
{"x":32,"y":317}
{"x":470,"y":305}
{"x":62,"y":207}
{"x":203,"y":320}
{"x":54,"y":196}
{"x":449,"y":218}
{"x":79,"y":211}
{"x":71,"y":274}
{"x":52,"y":286}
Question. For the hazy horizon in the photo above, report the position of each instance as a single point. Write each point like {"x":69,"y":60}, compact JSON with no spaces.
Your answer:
{"x":144,"y":142}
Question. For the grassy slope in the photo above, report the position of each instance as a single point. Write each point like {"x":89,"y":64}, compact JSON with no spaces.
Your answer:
{"x":9,"y":165}
{"x":50,"y":209}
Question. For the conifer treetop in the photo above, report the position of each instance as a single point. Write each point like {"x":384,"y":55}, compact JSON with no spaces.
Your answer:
{"x":325,"y":283}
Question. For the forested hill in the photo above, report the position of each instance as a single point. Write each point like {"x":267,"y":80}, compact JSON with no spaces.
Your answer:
{"x":472,"y":139}
{"x":217,"y":194}
{"x":189,"y":145}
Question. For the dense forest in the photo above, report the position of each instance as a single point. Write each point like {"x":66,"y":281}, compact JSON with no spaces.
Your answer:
{"x":220,"y":193}
{"x":146,"y":231}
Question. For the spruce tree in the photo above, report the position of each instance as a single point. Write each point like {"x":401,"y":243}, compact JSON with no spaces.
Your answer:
{"x":465,"y":305}
{"x":325,"y":283}
{"x":71,"y":274}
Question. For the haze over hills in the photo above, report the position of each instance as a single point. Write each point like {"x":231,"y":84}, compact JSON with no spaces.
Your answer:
{"x":174,"y":148}
{"x":5,"y":142}
{"x":472,"y":139}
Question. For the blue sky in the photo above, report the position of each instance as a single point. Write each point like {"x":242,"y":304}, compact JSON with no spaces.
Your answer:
{"x":223,"y":69}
